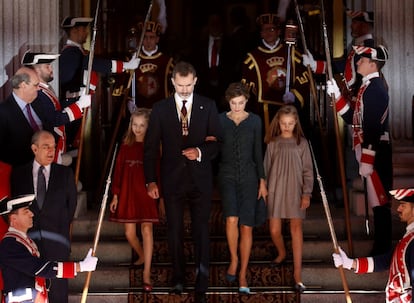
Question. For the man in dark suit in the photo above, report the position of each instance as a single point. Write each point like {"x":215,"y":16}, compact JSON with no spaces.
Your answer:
{"x":18,"y":120}
{"x":189,"y":140}
{"x":209,"y":58}
{"x":53,"y":216}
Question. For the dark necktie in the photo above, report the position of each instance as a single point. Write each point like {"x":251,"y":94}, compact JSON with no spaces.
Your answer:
{"x":41,"y":187}
{"x":32,"y":121}
{"x":184,"y":119}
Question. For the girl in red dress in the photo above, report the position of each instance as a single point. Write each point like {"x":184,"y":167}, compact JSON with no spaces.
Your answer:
{"x":130,"y":203}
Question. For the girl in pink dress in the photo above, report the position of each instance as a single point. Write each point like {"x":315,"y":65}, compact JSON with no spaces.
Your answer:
{"x":130,"y":203}
{"x":289,"y":172}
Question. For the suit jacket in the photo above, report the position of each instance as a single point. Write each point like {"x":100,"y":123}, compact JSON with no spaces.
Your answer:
{"x":165,"y":128}
{"x":15,"y":134}
{"x":51,"y":224}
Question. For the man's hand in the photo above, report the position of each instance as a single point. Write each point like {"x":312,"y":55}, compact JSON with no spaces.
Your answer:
{"x":342,"y":259}
{"x":84,"y":101}
{"x":366,"y":167}
{"x":307,"y":59}
{"x":131,"y":64}
{"x":190,"y":153}
{"x":332,"y":88}
{"x":152,"y":190}
{"x":89,"y":263}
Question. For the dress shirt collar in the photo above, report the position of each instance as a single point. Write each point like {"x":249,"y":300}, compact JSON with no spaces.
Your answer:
{"x":73,"y":43}
{"x":370,"y":76}
{"x":151,"y":52}
{"x":409,"y":228}
{"x":46,"y":171}
{"x":22,"y":104}
{"x":271,"y":47}
{"x":23,"y":234}
{"x":188,"y":105}
{"x":179,"y":100}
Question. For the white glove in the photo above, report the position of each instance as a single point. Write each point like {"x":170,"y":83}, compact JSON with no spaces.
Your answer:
{"x":342,"y":259}
{"x":307,"y":59}
{"x":332,"y":88}
{"x":131,"y":64}
{"x":366,"y":169}
{"x":84,"y":101}
{"x":89,"y":263}
{"x":288,"y":98}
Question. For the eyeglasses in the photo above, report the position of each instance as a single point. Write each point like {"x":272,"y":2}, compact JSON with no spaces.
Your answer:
{"x":34,"y":84}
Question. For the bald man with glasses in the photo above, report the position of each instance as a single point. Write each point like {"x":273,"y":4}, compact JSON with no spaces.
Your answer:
{"x":18,"y":119}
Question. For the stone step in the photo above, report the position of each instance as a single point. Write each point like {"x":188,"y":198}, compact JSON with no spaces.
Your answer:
{"x":119,"y":252}
{"x":111,"y":281}
{"x":306,"y":297}
{"x":315,"y":225}
{"x":321,"y":274}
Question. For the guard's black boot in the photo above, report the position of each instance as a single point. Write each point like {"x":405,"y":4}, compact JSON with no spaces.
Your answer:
{"x":382,"y":230}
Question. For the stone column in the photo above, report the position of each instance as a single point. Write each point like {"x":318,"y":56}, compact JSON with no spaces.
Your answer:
{"x":26,"y":25}
{"x":394,"y":27}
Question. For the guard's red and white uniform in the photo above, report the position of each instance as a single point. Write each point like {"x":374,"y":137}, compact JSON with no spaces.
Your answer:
{"x":400,"y":263}
{"x":25,"y":273}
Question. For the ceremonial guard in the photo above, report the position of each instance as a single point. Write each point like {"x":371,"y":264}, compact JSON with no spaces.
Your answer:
{"x":47,"y":104}
{"x":361,"y":31}
{"x":73,"y":62}
{"x":400,"y":262}
{"x":274,"y":73}
{"x":370,"y":136}
{"x":26,"y":275}
{"x":152,"y":77}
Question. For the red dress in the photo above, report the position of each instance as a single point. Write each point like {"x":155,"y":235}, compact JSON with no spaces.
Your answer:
{"x":134,"y":204}
{"x":5,"y":171}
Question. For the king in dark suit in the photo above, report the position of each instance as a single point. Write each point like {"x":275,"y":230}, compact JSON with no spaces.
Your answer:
{"x":52,"y":219}
{"x":189,"y":141}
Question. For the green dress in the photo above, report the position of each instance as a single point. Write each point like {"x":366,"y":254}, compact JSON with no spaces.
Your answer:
{"x":240,"y":169}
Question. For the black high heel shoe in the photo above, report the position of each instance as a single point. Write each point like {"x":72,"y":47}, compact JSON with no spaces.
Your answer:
{"x":300,"y":287}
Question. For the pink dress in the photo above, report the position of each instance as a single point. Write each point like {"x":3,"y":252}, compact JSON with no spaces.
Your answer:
{"x":134,"y":204}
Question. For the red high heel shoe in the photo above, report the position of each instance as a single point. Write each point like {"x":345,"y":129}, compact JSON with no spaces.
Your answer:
{"x":147,"y":287}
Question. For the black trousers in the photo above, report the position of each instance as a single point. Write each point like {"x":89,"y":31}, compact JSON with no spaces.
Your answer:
{"x":199,"y":204}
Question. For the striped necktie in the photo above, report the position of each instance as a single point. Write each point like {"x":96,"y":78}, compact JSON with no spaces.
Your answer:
{"x":184,"y":119}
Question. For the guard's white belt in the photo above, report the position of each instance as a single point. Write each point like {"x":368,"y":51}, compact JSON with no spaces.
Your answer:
{"x":20,"y":295}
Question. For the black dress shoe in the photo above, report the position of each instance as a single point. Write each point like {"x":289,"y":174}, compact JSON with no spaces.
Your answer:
{"x":200,"y":297}
{"x":176,"y":289}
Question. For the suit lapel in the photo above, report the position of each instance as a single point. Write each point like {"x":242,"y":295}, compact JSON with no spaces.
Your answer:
{"x":172,"y":108}
{"x":196,"y":114}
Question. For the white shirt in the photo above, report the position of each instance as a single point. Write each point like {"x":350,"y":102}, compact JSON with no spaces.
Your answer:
{"x":188,"y":106}
{"x":22,"y":105}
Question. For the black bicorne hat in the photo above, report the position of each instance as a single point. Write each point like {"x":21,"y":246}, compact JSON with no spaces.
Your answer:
{"x":30,"y":58}
{"x":69,"y":22}
{"x":379,"y":53}
{"x":7,"y":205}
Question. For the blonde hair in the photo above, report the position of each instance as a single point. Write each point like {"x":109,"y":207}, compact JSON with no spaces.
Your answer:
{"x":129,"y":137}
{"x":274,"y":127}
